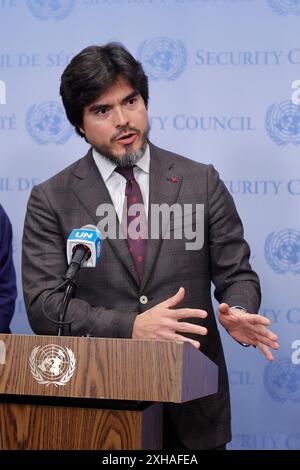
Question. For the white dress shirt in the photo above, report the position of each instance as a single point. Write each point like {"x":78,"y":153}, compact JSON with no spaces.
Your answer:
{"x":116,"y":183}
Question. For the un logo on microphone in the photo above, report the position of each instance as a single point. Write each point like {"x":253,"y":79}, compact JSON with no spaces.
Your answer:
{"x":282,"y":380}
{"x":47,"y":123}
{"x":283,"y":123}
{"x":50,"y":9}
{"x":162,"y":58}
{"x":285,"y":7}
{"x":282,"y":251}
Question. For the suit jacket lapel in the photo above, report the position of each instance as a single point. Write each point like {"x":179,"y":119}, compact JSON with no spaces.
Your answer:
{"x":162,"y":190}
{"x":90,"y":190}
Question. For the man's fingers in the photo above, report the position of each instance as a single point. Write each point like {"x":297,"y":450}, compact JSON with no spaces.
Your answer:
{"x":266,"y":351}
{"x":169,"y":335}
{"x":175,"y":299}
{"x":184,"y":327}
{"x":263,"y":331}
{"x":268,"y":342}
{"x":183,"y":313}
{"x":258,"y":319}
{"x":265,"y":336}
{"x":184,"y":339}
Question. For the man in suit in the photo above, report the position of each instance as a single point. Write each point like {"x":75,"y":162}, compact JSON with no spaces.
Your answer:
{"x":8,"y":289}
{"x":151,"y":288}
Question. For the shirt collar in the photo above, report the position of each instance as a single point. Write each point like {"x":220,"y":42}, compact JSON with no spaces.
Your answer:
{"x":107,"y":167}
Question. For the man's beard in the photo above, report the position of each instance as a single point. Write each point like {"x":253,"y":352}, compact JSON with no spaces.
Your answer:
{"x":130,"y":157}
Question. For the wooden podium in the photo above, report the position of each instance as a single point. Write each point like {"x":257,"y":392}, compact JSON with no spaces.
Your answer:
{"x":73,"y":393}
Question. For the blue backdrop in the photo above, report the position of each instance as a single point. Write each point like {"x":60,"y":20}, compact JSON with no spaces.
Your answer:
{"x":221,"y":74}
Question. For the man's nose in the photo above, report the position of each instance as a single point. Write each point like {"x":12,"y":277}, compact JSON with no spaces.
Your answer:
{"x":121,"y":118}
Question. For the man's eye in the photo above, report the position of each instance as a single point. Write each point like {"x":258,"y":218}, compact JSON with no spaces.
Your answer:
{"x":132,"y":101}
{"x":102,"y":111}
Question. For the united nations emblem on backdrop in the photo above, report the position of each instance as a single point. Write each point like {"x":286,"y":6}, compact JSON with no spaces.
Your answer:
{"x":50,"y":9}
{"x":283,"y":123}
{"x":47,"y":123}
{"x":162,"y":58}
{"x":284,"y":7}
{"x":282,"y":380}
{"x":282,"y":251}
{"x":52,"y":364}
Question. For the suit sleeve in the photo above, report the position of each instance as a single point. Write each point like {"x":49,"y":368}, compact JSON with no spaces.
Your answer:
{"x":44,"y":265}
{"x":8,"y":290}
{"x":235,"y":281}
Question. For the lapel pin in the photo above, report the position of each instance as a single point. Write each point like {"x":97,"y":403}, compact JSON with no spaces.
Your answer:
{"x":173,"y":179}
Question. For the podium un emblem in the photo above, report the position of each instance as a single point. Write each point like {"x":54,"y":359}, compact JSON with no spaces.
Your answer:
{"x":52,"y":364}
{"x":285,"y":7}
{"x":283,"y":123}
{"x":47,"y":123}
{"x":162,"y":58}
{"x":50,"y":9}
{"x":282,"y":251}
{"x":282,"y":380}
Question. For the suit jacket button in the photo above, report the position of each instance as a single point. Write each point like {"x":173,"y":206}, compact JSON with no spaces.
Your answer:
{"x":144,"y":299}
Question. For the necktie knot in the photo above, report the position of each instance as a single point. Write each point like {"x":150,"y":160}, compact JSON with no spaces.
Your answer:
{"x":126,"y":172}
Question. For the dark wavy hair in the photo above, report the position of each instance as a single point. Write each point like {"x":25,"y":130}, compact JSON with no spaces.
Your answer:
{"x":91,"y":72}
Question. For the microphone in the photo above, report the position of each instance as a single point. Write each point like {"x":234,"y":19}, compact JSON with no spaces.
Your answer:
{"x":83,"y":249}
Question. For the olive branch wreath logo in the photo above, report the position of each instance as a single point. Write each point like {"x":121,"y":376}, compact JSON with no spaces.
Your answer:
{"x":39,"y":377}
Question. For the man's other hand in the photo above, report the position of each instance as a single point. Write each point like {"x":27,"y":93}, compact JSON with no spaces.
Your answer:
{"x":248,"y":328}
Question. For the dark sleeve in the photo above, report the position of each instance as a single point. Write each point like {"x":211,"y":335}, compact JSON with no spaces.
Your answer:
{"x":44,"y":265}
{"x":235,"y":281}
{"x":8,"y":290}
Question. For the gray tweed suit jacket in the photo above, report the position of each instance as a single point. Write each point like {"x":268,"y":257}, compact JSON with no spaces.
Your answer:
{"x":108,"y":297}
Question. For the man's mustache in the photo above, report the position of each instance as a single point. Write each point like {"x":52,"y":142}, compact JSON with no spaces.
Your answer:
{"x":124,"y":130}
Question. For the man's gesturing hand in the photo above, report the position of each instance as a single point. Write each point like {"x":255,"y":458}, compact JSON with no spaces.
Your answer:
{"x":248,"y":328}
{"x":161,"y":322}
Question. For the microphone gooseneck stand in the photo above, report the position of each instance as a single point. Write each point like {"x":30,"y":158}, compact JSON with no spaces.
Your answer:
{"x":82,"y":253}
{"x":69,"y":293}
{"x":69,"y":284}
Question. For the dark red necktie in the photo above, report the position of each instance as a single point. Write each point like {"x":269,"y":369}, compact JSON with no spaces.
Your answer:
{"x":136,"y":232}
